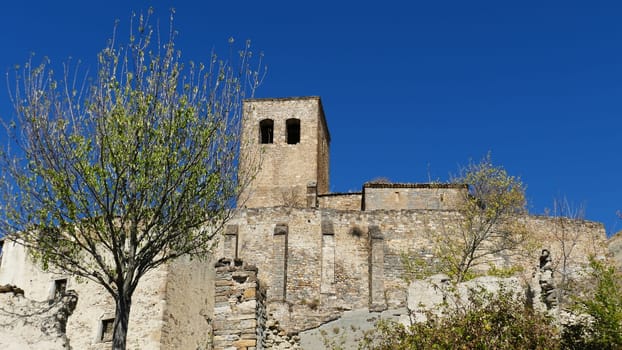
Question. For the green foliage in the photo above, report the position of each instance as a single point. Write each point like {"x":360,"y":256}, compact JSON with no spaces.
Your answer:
{"x":117,"y":174}
{"x":504,"y":272}
{"x":492,"y":192}
{"x":487,"y":224}
{"x":490,"y":322}
{"x":603,"y":303}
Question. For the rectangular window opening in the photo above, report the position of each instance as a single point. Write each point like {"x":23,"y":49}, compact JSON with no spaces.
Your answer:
{"x":293,"y":131}
{"x":266,"y":130}
{"x":60,"y":287}
{"x":107,"y":330}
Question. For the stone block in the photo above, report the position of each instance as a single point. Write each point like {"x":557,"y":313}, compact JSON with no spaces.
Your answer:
{"x":245,"y":343}
{"x":248,"y":324}
{"x":249,"y":293}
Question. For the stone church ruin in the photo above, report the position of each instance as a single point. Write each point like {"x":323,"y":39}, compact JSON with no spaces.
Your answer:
{"x":294,"y":258}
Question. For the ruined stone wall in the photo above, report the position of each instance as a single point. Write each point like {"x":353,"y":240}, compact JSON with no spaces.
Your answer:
{"x":412,"y":196}
{"x":19,"y":270}
{"x":239,"y":310}
{"x":571,"y":242}
{"x":34,"y":325}
{"x":318,"y":263}
{"x":340,"y":201}
{"x":284,"y":169}
{"x":285,"y":245}
{"x":394,"y":234}
{"x":351,"y":260}
{"x":189,"y":304}
{"x":84,"y":327}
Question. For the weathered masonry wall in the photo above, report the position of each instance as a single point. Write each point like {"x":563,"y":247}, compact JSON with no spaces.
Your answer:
{"x":32,"y":325}
{"x":323,"y":151}
{"x":84,"y":327}
{"x":171,"y":307}
{"x":340,"y":201}
{"x":318,"y":263}
{"x":328,"y":258}
{"x":189,"y":304}
{"x":285,"y":169}
{"x":412,"y":196}
{"x":575,"y":239}
{"x":239,"y":310}
{"x":314,"y":263}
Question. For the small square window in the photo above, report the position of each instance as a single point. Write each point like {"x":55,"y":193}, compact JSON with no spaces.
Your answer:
{"x":107,"y":330}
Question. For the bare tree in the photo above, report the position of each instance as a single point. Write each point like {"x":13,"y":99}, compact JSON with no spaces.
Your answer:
{"x":115,"y":176}
{"x":567,"y":236}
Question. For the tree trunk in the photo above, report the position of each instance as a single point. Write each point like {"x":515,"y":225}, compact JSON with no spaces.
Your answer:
{"x":121,"y":321}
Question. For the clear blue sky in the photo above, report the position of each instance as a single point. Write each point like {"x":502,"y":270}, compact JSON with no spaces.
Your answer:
{"x":411,"y":89}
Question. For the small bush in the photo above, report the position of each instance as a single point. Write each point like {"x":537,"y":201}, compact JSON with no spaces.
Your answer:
{"x":602,"y":303}
{"x":490,"y":322}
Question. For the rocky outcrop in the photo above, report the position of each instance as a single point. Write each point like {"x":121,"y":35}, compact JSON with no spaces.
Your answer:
{"x":543,"y":286}
{"x":427,"y":296}
{"x":26,"y":324}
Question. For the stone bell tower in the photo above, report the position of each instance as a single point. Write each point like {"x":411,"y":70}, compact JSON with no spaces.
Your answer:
{"x":284,"y":151}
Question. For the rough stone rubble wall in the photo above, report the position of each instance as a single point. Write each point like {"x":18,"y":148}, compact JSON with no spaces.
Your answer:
{"x":615,"y":248}
{"x":323,"y":152}
{"x":333,"y":262}
{"x":239,"y":309}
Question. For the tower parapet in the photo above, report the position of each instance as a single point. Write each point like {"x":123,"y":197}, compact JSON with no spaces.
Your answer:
{"x":397,"y":196}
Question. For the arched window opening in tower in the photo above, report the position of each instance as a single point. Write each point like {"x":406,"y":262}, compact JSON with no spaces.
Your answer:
{"x":266,"y":128}
{"x":293,"y":131}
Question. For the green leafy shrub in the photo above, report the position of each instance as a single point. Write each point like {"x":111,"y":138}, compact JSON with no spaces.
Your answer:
{"x":603,"y":305}
{"x":488,"y":322}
